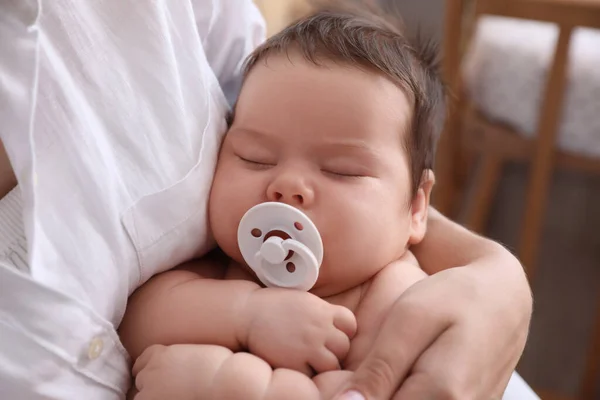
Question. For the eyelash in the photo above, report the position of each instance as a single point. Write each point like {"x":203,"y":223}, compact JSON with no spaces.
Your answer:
{"x":342,"y":176}
{"x":336,"y":175}
{"x":255,"y":163}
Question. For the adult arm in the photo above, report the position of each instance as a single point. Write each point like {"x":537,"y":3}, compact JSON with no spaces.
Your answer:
{"x":448,"y":245}
{"x":431,"y":345}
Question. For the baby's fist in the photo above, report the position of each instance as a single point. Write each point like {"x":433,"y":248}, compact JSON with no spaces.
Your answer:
{"x":165,"y":372}
{"x":297,"y":330}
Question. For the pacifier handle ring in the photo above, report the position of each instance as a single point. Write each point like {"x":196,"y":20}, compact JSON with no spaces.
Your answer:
{"x":303,"y":251}
{"x":274,"y":243}
{"x":311,"y":265}
{"x":259,"y":271}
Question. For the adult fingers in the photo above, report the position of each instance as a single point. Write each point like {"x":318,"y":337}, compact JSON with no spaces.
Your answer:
{"x":451,"y":369}
{"x":409,"y":330}
{"x":438,"y":374}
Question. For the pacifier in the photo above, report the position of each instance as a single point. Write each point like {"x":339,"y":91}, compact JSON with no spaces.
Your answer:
{"x":281,"y":245}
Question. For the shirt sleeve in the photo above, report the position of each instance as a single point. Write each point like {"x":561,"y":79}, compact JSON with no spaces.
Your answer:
{"x":18,"y":78}
{"x":230,"y":31}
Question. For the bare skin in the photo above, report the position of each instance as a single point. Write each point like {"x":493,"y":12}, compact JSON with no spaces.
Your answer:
{"x":301,"y":135}
{"x":230,"y":374}
{"x":343,"y":164}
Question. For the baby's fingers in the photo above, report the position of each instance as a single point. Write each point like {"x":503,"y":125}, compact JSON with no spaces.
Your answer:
{"x":344,"y":320}
{"x":324,"y":360}
{"x":338,"y":343}
{"x":143,"y":360}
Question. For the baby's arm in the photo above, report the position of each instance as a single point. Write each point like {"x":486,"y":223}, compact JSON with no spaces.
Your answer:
{"x":205,"y":372}
{"x":198,"y":372}
{"x":383,"y":291}
{"x":193,"y":305}
{"x":190,"y":304}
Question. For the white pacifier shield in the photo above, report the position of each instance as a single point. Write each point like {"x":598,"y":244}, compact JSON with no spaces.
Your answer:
{"x":291,"y":254}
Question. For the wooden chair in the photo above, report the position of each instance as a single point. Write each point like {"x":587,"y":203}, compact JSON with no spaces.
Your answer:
{"x":470,"y":132}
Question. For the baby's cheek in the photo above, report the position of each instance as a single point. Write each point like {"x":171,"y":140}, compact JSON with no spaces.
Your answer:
{"x":226,"y":237}
{"x":222,"y":225}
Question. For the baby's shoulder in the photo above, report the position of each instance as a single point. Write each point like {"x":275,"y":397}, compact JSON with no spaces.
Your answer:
{"x":400,"y":268}
{"x":398,"y":275}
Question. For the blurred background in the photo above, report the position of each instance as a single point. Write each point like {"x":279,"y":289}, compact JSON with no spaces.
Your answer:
{"x":520,"y":158}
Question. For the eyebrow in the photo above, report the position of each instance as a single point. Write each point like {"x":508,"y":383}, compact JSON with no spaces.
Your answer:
{"x":254,"y":134}
{"x":354,"y":146}
{"x":342,"y":146}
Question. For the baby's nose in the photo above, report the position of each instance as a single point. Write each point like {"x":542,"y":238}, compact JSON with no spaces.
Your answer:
{"x":292,"y":190}
{"x":292,"y":199}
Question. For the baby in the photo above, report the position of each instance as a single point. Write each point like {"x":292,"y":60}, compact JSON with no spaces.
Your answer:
{"x":336,"y":117}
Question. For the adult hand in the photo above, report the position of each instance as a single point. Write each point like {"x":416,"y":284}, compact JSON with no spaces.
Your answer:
{"x":457,"y":334}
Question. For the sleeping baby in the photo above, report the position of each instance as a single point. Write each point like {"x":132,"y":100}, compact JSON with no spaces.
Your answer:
{"x":322,"y":185}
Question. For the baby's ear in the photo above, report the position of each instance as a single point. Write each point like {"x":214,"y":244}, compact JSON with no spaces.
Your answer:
{"x":419,"y":208}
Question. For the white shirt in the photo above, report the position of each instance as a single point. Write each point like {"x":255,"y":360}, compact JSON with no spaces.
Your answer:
{"x":112,"y":114}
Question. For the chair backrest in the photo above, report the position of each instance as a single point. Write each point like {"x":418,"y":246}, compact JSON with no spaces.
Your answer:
{"x":461,"y":16}
{"x":460,"y":20}
{"x":562,"y":12}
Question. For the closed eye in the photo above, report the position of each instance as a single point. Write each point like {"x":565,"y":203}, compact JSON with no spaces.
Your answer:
{"x":339,"y":174}
{"x":256,"y":163}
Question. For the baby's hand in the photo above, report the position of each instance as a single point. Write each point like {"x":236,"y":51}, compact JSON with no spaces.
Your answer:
{"x":172,"y":372}
{"x":297,"y":330}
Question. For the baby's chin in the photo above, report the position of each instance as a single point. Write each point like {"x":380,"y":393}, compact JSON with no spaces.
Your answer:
{"x":333,"y":281}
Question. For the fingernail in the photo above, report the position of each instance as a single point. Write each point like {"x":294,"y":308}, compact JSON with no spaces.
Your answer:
{"x":351,"y":395}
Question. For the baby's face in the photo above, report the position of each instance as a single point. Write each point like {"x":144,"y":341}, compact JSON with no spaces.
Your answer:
{"x":327,"y":140}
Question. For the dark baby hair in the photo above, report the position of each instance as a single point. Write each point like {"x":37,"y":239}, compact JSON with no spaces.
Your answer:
{"x":362,"y":37}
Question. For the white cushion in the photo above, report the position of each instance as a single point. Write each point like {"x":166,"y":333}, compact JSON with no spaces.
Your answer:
{"x":506,"y":70}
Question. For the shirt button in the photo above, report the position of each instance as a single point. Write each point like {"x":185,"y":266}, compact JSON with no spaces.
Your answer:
{"x":95,"y":348}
